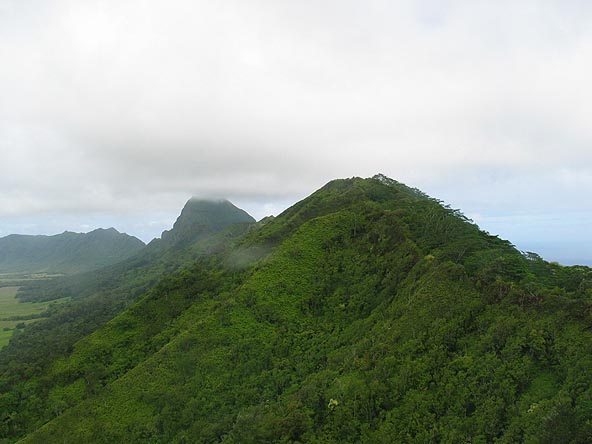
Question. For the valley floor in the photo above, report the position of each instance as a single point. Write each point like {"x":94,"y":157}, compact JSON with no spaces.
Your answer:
{"x":15,"y":314}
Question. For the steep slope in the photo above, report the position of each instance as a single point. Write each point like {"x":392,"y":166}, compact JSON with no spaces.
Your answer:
{"x":366,"y":313}
{"x":67,"y":252}
{"x":96,"y":297}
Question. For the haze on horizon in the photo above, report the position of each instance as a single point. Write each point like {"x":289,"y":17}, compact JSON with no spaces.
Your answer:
{"x":114,"y":113}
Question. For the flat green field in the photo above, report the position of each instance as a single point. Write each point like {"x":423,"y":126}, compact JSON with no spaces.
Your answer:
{"x":16,"y":279}
{"x":10,"y":307}
{"x":5,"y":336}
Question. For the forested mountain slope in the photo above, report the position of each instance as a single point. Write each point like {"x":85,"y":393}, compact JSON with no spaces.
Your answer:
{"x":96,"y":297}
{"x":66,"y":253}
{"x":368,"y":313}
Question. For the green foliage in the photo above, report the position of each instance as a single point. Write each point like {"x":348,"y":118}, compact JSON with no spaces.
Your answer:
{"x":14,"y":314}
{"x":367,"y":313}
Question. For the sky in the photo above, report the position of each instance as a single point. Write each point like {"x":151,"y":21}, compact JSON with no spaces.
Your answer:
{"x":114,"y":113}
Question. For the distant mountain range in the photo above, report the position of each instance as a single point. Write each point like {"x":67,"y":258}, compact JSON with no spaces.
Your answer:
{"x":66,"y":253}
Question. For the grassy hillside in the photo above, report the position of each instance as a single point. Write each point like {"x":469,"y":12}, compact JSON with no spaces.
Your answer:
{"x":367,"y":313}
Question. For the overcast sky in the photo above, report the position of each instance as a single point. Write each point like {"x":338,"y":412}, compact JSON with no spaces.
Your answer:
{"x":113,"y":113}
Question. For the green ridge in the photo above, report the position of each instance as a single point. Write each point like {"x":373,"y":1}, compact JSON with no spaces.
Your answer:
{"x":367,"y":313}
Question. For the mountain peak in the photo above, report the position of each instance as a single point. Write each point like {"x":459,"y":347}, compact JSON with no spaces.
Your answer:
{"x":111,"y":230}
{"x":203,"y":216}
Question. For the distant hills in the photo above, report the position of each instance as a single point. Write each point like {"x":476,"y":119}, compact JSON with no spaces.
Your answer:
{"x":65,"y":253}
{"x":367,"y":313}
{"x":70,"y":253}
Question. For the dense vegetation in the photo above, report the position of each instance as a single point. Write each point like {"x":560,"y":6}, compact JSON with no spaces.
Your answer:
{"x":367,"y":313}
{"x":99,"y":295}
{"x":66,"y":253}
{"x":15,"y":315}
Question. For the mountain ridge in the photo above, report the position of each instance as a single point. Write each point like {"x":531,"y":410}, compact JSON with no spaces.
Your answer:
{"x":67,"y":252}
{"x":367,"y":312}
